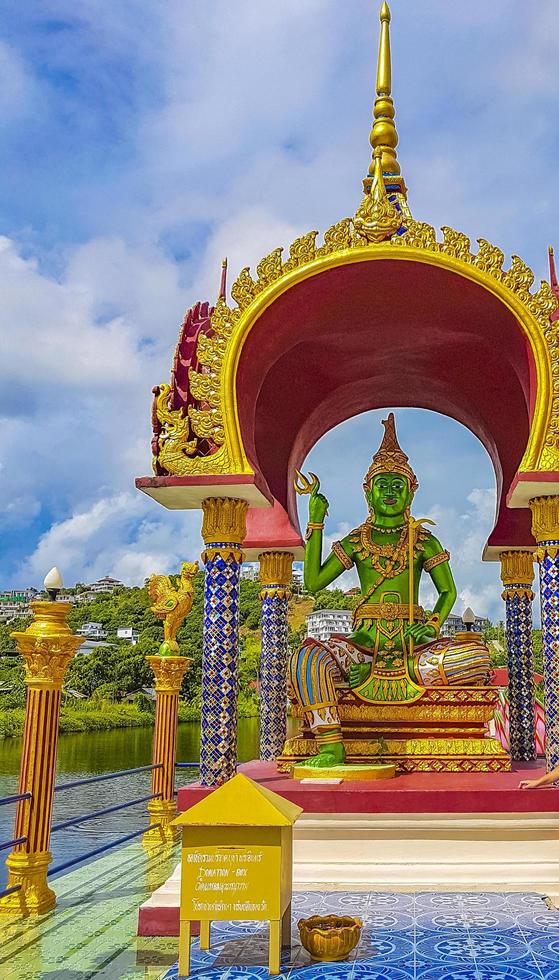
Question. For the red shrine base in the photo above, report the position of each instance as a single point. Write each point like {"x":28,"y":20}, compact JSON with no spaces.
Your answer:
{"x":420,"y":831}
{"x":416,"y":792}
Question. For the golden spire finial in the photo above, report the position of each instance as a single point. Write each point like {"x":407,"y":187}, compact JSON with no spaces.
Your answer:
{"x":383,"y":133}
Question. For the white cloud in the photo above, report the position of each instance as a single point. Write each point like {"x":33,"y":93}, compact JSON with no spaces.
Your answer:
{"x":115,"y":535}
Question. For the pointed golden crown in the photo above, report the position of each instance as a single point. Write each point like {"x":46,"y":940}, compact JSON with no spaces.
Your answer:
{"x":390,"y":458}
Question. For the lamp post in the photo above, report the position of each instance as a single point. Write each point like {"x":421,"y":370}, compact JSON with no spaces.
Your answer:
{"x":47,"y":647}
{"x":468,"y":618}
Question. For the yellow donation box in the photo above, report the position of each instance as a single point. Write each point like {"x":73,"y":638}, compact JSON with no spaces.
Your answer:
{"x":236,"y":863}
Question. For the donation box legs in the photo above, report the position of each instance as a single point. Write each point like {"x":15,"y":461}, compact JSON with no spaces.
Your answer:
{"x":280,"y":935}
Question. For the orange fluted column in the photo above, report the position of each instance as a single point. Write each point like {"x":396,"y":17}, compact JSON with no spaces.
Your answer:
{"x":47,"y":648}
{"x":169,"y":672}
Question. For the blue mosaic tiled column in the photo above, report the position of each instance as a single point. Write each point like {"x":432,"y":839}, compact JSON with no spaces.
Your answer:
{"x":545,"y":528}
{"x":223,"y":530}
{"x":275,"y":576}
{"x":517,"y":574}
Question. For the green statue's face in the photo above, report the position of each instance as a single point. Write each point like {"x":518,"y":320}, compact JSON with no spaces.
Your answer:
{"x":389,"y":495}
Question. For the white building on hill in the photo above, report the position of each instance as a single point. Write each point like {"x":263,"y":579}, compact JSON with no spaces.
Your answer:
{"x":93,"y":631}
{"x":128,"y":633}
{"x":322,"y":623}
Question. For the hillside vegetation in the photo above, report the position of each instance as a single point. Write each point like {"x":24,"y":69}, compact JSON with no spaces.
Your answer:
{"x":109,"y":673}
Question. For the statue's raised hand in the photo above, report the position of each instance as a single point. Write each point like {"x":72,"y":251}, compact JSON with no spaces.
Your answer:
{"x":318,"y":506}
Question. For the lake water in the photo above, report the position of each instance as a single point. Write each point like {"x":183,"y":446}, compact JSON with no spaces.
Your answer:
{"x":81,"y":755}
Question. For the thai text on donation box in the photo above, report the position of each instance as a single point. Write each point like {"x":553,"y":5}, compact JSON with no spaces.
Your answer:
{"x":237,"y":863}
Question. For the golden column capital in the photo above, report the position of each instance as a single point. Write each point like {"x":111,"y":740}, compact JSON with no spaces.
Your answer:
{"x":224,"y":521}
{"x":168,"y":673}
{"x":545,"y":525}
{"x":517,"y":569}
{"x":276,"y":568}
{"x":47,"y":645}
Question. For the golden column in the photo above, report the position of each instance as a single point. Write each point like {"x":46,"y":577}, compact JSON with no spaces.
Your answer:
{"x":545,"y":528}
{"x":169,"y":672}
{"x":223,"y":531}
{"x":47,"y":647}
{"x":172,"y":601}
{"x":275,"y":576}
{"x":517,"y":573}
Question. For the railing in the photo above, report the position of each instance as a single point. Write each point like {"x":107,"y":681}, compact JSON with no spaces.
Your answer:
{"x":15,"y":798}
{"x":107,"y":775}
{"x":59,"y":868}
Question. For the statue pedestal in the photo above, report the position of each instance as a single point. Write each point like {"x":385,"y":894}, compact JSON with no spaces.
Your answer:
{"x":361,"y":773}
{"x":444,"y":731}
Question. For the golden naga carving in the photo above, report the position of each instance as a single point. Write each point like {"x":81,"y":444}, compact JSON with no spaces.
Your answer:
{"x":172,"y":603}
{"x":175,"y":443}
{"x":377,"y":218}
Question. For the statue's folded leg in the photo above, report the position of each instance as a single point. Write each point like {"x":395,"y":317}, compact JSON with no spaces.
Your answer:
{"x":313,"y":672}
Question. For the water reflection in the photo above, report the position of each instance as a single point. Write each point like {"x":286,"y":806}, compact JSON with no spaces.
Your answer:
{"x":81,"y":755}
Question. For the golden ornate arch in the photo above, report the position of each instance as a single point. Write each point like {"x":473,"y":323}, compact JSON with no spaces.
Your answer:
{"x":215,"y":384}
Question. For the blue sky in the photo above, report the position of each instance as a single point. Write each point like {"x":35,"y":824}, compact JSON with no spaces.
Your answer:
{"x":142,"y":142}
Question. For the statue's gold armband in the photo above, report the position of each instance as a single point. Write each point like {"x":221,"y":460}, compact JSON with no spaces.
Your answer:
{"x":436,"y":560}
{"x":339,"y":552}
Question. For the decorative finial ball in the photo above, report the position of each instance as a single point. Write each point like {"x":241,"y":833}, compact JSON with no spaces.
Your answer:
{"x":53,"y":580}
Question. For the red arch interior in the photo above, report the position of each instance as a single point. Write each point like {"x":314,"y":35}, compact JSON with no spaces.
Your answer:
{"x":386,"y":333}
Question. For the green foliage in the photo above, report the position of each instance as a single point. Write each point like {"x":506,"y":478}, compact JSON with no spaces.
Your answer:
{"x":7,"y":644}
{"x":538,"y":656}
{"x":143,"y":703}
{"x":335,"y":599}
{"x":82,"y":718}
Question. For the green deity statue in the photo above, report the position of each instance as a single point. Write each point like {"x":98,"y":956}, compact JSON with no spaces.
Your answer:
{"x":394,"y":651}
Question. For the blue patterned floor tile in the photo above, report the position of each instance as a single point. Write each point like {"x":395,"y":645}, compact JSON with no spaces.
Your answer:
{"x":429,"y":936}
{"x":546,"y":920}
{"x":525,"y":900}
{"x":393,"y":900}
{"x":493,"y":900}
{"x":444,"y":948}
{"x":501,"y":971}
{"x":544,"y":947}
{"x":390,"y":948}
{"x":374,"y":971}
{"x":491,"y":946}
{"x":445,"y":971}
{"x":328,"y":971}
{"x":391,"y":919}
{"x":496,"y":919}
{"x":445,"y":919}
{"x":439,"y":900}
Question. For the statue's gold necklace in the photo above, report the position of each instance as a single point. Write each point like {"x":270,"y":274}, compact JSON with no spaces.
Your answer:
{"x":395,"y":555}
{"x":387,"y":530}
